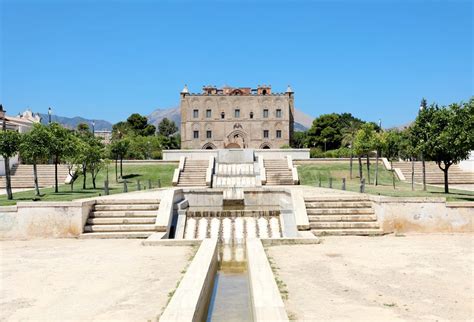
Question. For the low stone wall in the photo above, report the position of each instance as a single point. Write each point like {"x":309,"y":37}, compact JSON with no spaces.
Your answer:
{"x":266,"y":299}
{"x":44,"y":219}
{"x":191,"y":299}
{"x":423,"y":215}
{"x":174,"y":155}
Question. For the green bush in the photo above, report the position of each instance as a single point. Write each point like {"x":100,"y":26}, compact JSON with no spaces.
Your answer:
{"x":342,"y":152}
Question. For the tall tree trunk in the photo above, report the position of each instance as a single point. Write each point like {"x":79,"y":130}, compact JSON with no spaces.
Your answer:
{"x":350,"y":164}
{"x":93,"y":177}
{"x":446,"y":181}
{"x":56,"y":174}
{"x":8,"y":178}
{"x":84,"y":174}
{"x":424,"y":171}
{"x":368,"y":169}
{"x":121,"y":167}
{"x":360,"y":168}
{"x":35,"y":177}
{"x":116,"y":171}
{"x":376,"y":182}
{"x":412,"y":174}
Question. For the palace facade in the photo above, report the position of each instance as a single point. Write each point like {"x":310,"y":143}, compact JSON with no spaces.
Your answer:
{"x":230,"y":117}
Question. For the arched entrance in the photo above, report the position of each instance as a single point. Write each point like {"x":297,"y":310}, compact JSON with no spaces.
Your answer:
{"x":232,"y":146}
{"x":236,"y":140}
{"x":209,"y":146}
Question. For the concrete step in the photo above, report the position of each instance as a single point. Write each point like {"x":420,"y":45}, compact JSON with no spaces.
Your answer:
{"x":337,"y":204}
{"x":115,"y":207}
{"x":347,"y":232}
{"x":344,"y":225}
{"x":336,"y":198}
{"x":127,"y":201}
{"x":132,"y":213}
{"x":121,"y":220}
{"x":330,"y":218}
{"x":119,"y":228}
{"x":339,"y":211}
{"x":116,"y":235}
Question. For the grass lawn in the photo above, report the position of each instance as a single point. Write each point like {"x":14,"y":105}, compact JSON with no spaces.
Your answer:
{"x":131,"y":173}
{"x":309,"y":175}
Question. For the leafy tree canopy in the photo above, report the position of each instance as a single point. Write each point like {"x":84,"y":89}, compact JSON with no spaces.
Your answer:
{"x":167,"y":127}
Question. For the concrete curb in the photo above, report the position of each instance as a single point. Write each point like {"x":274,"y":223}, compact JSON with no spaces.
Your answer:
{"x":266,"y":299}
{"x":191,"y":299}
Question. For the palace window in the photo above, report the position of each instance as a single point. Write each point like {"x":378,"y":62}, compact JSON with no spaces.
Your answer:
{"x":251,"y":115}
{"x":278,"y":113}
{"x":208,"y":134}
{"x":265,"y":113}
{"x":196,"y":134}
{"x":208,"y":114}
{"x":222,"y":115}
{"x":265,"y":134}
{"x":195,"y":114}
{"x":237,"y":113}
{"x":278,"y":134}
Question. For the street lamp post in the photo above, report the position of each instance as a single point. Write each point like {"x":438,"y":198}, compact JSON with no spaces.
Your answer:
{"x":93,"y":128}
{"x":50,"y":112}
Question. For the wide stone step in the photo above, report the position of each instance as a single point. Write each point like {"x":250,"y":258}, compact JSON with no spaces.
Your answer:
{"x":336,"y":198}
{"x":339,"y":211}
{"x":126,"y":207}
{"x":347,"y":232}
{"x":116,"y":235}
{"x":336,"y":204}
{"x":326,"y":218}
{"x":344,"y":225}
{"x":121,"y":220}
{"x":131,"y":213}
{"x":118,"y":228}
{"x":127,"y":201}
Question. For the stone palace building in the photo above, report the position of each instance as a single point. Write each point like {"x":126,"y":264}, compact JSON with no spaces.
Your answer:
{"x":241,"y":117}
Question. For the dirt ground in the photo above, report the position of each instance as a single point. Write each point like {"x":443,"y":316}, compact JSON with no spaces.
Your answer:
{"x":77,"y":280}
{"x":412,"y":277}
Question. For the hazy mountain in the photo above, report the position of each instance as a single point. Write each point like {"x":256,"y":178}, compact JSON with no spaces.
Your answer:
{"x":302,"y":121}
{"x":72,"y":122}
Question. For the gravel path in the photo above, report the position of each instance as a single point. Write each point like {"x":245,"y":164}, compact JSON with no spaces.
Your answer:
{"x":413,"y":277}
{"x":82,"y":280}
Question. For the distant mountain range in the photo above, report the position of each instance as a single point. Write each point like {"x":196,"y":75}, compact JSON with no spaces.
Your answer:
{"x":72,"y":122}
{"x":302,"y":120}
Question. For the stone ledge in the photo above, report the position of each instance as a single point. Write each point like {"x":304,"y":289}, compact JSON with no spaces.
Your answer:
{"x":267,"y":304}
{"x":191,"y":299}
{"x":290,"y":241}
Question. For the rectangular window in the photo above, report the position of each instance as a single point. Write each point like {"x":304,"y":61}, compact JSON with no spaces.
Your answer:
{"x":195,"y":114}
{"x":278,"y":134}
{"x":278,"y":113}
{"x":237,"y":113}
{"x":222,"y":115}
{"x":265,"y":113}
{"x":265,"y":134}
{"x":208,"y":134}
{"x":208,"y":114}
{"x":196,"y":134}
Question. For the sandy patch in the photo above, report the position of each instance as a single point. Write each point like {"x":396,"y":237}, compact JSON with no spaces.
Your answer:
{"x":416,"y":277}
{"x":72,"y":280}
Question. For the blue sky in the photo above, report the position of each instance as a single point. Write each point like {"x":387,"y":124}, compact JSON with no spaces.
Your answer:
{"x":107,"y":59}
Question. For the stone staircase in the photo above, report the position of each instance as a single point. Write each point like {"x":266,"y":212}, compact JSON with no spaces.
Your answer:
{"x":194,"y":173}
{"x":234,"y":175}
{"x":434,"y":175}
{"x":342,"y":216}
{"x":126,"y":218}
{"x":277,"y":172}
{"x":22,"y":175}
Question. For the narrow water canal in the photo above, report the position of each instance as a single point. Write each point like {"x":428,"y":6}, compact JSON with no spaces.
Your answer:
{"x":230,"y":299}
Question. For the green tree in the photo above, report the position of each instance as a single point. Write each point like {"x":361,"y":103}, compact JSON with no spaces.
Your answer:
{"x":34,"y":148}
{"x":94,"y":158}
{"x":139,"y":125}
{"x":57,"y":149}
{"x":73,"y":157}
{"x":363,"y":144}
{"x":392,"y":149}
{"x":167,"y":127}
{"x":298,"y":141}
{"x":379,"y":143}
{"x":450,"y":135}
{"x":118,"y":150}
{"x":348,"y":137}
{"x":83,"y":128}
{"x":9,"y":146}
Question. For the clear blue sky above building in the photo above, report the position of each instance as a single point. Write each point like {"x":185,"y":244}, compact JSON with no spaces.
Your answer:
{"x":107,"y":59}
